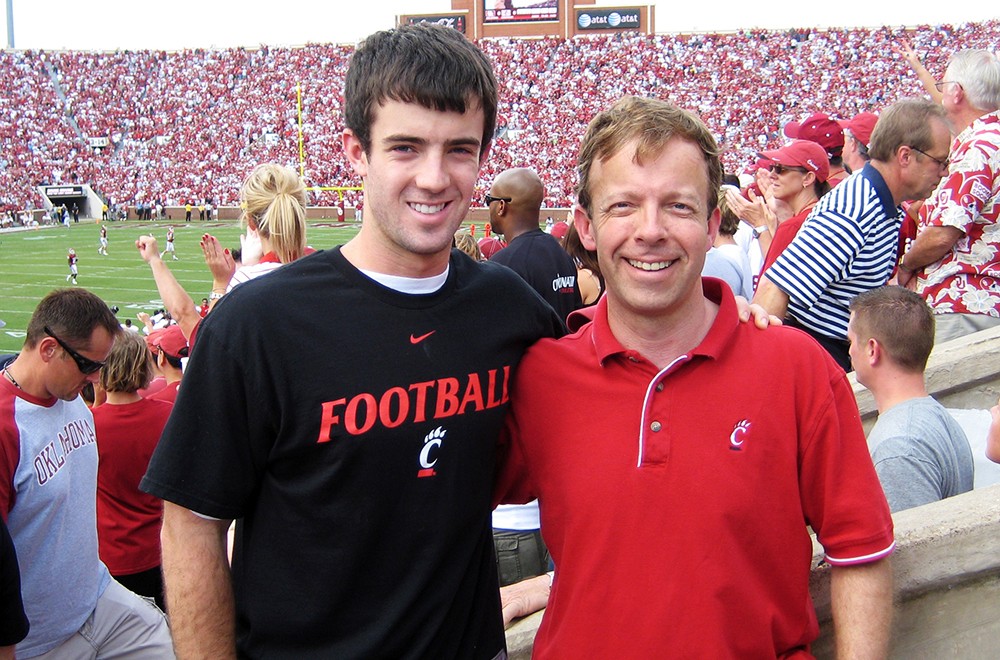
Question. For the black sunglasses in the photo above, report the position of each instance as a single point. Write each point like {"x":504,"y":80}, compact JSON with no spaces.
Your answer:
{"x":85,"y":365}
{"x":490,"y":199}
{"x":781,"y":169}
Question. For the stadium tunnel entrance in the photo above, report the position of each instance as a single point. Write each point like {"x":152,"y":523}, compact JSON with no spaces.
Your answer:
{"x":82,"y":197}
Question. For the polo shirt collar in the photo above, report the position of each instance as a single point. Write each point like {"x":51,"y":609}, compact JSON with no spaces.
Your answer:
{"x":881,"y":188}
{"x":719,"y":336}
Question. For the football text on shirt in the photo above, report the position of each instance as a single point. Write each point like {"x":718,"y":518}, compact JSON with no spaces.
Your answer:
{"x":419,"y":402}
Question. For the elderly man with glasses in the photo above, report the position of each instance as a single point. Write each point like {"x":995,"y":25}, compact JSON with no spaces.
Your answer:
{"x":955,"y":258}
{"x":48,"y":490}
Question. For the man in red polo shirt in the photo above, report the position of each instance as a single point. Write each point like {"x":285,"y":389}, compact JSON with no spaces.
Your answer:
{"x":685,"y":495}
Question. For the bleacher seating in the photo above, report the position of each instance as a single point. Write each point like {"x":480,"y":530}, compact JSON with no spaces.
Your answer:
{"x":189,"y":125}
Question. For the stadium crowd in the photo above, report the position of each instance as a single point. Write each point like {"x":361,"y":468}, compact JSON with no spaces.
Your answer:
{"x":654,"y":336}
{"x":185,"y":126}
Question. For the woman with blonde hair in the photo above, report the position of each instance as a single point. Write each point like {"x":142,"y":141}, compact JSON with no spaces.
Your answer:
{"x":467,"y":244}
{"x":127,"y":429}
{"x":273,"y":199}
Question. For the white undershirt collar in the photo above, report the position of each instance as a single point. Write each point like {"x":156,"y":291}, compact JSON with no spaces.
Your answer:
{"x":410,"y":285}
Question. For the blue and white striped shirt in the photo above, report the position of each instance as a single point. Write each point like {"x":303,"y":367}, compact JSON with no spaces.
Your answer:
{"x":846,"y":246}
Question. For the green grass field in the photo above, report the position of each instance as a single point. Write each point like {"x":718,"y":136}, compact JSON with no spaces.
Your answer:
{"x":33,"y":263}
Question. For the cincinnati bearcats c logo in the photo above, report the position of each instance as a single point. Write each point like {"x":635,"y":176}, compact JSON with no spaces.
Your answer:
{"x":432,"y":441}
{"x":736,"y":438}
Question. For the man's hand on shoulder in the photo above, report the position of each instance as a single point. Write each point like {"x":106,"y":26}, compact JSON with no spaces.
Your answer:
{"x":745,"y":309}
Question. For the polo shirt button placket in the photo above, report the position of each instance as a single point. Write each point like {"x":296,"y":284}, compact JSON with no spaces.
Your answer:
{"x":655,"y":427}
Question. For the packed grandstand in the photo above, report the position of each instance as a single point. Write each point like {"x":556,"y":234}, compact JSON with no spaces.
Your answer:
{"x":181,"y":127}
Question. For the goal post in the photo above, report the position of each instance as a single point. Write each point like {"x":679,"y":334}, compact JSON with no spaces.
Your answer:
{"x":339,"y":190}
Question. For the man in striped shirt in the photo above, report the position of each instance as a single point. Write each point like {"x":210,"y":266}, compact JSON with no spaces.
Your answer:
{"x":848,"y":244}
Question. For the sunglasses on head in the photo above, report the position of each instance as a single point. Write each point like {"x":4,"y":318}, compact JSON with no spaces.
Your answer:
{"x":781,"y":169}
{"x":85,"y":365}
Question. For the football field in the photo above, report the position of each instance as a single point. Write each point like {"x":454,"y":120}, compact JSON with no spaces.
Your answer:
{"x":33,"y":262}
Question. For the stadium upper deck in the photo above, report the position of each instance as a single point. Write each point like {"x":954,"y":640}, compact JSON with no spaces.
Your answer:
{"x":189,"y":125}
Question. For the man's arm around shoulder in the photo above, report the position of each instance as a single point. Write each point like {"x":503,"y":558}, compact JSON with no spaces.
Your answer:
{"x":861,"y":597}
{"x":198,"y":584}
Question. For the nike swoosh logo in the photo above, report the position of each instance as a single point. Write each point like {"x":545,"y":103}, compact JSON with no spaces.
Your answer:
{"x":417,"y":340}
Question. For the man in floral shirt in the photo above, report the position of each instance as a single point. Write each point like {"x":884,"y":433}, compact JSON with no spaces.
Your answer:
{"x":955,"y":260}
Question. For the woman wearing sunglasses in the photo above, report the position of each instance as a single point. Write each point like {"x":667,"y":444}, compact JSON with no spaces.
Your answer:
{"x":799,"y":174}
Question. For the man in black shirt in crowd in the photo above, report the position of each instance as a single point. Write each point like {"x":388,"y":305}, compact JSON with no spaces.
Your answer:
{"x":515,"y":203}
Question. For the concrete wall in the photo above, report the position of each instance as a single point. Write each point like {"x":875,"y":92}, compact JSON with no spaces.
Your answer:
{"x":947,"y":580}
{"x":232,"y":213}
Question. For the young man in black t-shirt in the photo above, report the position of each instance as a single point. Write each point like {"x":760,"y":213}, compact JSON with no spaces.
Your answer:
{"x":345,"y":408}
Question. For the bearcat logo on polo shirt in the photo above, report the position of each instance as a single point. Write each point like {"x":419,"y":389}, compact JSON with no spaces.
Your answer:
{"x":413,"y":404}
{"x":738,"y":436}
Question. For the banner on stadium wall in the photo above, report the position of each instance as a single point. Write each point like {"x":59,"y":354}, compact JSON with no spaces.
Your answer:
{"x":454,"y":21}
{"x":98,"y":142}
{"x":53,"y":192}
{"x":619,"y":18}
{"x":517,"y":11}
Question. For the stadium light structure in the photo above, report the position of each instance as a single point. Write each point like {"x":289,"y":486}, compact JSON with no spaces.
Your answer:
{"x":10,"y":24}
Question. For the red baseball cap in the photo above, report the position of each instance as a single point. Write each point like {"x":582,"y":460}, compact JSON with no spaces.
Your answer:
{"x":759,"y":164}
{"x":802,"y":153}
{"x":171,"y":340}
{"x":820,"y":129}
{"x":489,"y":245}
{"x":559,"y":229}
{"x":861,"y":126}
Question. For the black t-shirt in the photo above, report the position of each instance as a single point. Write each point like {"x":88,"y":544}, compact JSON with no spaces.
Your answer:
{"x":351,"y":429}
{"x":541,"y":262}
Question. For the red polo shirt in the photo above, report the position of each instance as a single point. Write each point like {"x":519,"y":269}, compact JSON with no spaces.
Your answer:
{"x":675,"y":501}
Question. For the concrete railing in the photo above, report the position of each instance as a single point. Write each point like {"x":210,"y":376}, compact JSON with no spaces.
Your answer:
{"x":947,"y":580}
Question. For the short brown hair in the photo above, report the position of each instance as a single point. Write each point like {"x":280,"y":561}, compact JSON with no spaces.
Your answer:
{"x":129,"y":366}
{"x":653,"y":123}
{"x":73,"y":315}
{"x":901,"y":322}
{"x":433,"y":66}
{"x":905,"y":123}
{"x":730,"y":222}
